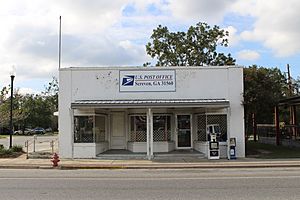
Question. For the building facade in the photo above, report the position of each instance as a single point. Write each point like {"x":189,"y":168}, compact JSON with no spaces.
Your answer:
{"x":149,"y":109}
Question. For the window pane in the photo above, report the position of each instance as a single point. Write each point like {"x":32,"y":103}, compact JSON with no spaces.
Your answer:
{"x":138,"y":128}
{"x":83,"y":132}
{"x":221,"y":125}
{"x":184,"y":122}
{"x":220,"y":122}
{"x":161,"y":128}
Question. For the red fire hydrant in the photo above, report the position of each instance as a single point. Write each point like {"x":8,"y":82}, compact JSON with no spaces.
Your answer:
{"x":55,"y":160}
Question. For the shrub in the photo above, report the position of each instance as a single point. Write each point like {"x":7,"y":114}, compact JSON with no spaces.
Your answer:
{"x":17,"y":148}
{"x":4,"y":151}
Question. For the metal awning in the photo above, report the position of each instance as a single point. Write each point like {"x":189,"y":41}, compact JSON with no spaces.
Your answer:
{"x":142,"y":103}
{"x":292,"y":101}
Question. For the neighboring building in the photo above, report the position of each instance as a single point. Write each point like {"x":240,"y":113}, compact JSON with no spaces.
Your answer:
{"x":149,"y":109}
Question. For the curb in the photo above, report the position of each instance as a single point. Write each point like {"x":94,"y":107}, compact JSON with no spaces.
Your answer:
{"x":232,"y":165}
{"x":66,"y":167}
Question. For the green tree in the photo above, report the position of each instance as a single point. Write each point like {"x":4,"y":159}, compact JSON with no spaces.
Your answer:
{"x":296,"y":86}
{"x":263,"y":88}
{"x":18,"y":113}
{"x":38,"y":112}
{"x":30,"y":110}
{"x":50,"y":95}
{"x":51,"y":92}
{"x":196,"y":47}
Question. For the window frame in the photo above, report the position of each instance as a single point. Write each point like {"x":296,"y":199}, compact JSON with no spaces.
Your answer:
{"x":93,"y":128}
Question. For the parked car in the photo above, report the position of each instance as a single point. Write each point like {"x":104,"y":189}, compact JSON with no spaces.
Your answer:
{"x":27,"y":131}
{"x":4,"y":131}
{"x":48,"y":129}
{"x":39,"y":130}
{"x":18,"y":132}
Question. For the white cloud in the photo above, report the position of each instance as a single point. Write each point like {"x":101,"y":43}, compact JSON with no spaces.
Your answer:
{"x":248,"y":55}
{"x":29,"y":36}
{"x":25,"y":91}
{"x":276,"y":24}
{"x":200,"y":10}
{"x":233,"y":37}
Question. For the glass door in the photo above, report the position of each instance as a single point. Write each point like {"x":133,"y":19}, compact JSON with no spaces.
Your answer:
{"x":184,"y":131}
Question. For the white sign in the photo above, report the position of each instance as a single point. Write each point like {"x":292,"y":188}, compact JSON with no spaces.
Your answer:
{"x":147,"y":81}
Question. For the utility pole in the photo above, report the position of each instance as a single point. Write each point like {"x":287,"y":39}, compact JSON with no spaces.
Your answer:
{"x":59,"y":43}
{"x":289,"y":81}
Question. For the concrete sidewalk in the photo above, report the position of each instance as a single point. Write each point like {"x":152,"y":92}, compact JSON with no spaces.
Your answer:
{"x":167,"y":163}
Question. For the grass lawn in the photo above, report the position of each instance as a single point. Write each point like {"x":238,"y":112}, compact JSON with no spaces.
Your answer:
{"x":3,"y":136}
{"x":268,"y":151}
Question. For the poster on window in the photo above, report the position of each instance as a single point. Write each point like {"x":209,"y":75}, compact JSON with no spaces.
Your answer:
{"x":147,"y":81}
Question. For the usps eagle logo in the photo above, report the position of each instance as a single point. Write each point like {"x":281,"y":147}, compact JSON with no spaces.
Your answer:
{"x":128,"y":80}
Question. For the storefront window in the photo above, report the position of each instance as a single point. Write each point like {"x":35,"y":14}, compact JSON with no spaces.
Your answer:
{"x":85,"y":132}
{"x":138,"y":128}
{"x":83,"y":129}
{"x":162,"y":128}
{"x":216,"y":123}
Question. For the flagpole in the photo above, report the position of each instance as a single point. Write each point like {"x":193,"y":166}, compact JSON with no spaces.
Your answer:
{"x":59,"y":44}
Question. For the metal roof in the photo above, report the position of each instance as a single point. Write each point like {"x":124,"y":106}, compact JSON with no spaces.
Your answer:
{"x":142,"y":103}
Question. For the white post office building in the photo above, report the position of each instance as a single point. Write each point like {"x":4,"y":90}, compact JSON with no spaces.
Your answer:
{"x":149,"y":110}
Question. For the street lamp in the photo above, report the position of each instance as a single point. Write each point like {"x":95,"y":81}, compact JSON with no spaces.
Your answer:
{"x":12,"y":76}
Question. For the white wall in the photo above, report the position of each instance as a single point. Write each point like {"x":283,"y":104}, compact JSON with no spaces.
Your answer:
{"x":235,"y":96}
{"x":191,"y":83}
{"x":65,"y":119}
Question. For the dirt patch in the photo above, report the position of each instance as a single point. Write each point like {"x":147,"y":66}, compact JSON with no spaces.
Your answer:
{"x":40,"y":155}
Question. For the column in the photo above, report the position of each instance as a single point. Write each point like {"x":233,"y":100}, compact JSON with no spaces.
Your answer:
{"x":149,"y":134}
{"x":228,"y":133}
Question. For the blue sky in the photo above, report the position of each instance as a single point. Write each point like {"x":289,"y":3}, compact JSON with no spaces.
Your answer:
{"x":114,"y":33}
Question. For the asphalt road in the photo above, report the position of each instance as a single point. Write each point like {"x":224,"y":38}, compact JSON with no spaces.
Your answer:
{"x":208,"y":184}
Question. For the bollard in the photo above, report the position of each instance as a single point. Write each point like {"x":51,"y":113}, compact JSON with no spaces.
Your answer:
{"x":26,"y":145}
{"x":34,"y":139}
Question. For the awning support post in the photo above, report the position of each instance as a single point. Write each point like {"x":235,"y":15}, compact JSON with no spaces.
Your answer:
{"x":149,"y":134}
{"x":228,"y":132}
